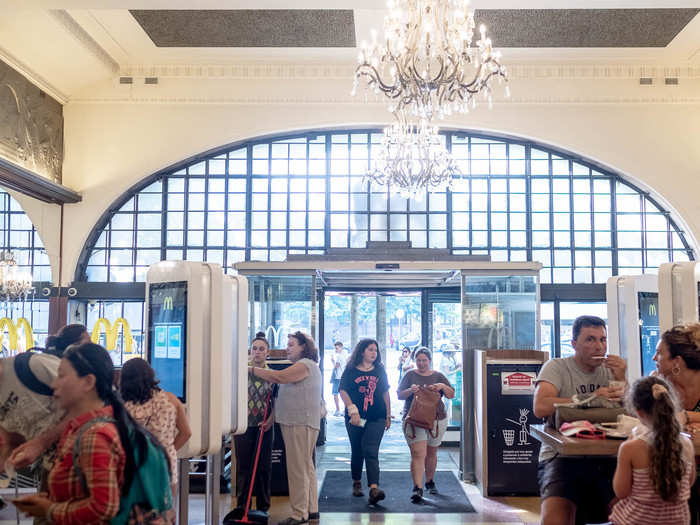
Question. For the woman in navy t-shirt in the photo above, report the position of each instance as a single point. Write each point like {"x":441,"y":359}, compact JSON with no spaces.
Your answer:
{"x":364,"y":388}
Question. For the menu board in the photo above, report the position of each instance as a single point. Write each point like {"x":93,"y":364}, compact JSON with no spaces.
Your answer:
{"x":167,"y":322}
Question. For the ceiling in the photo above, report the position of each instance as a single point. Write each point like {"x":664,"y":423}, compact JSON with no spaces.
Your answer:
{"x":67,"y":46}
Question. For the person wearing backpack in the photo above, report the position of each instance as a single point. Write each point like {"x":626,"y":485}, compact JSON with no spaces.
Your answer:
{"x":423,"y":442}
{"x":98,"y":473}
{"x":158,"y":411}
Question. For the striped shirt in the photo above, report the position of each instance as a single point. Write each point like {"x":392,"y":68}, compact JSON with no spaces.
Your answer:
{"x":101,"y":459}
{"x":644,"y":506}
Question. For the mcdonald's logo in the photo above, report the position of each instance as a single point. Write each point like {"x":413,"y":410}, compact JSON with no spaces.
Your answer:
{"x":9,"y":327}
{"x":111,"y":332}
{"x":168,"y":303}
{"x":652,"y":309}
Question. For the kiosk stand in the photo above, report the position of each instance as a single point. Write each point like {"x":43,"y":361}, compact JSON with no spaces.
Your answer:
{"x":193,"y":340}
{"x":633,"y":321}
{"x":679,"y":287}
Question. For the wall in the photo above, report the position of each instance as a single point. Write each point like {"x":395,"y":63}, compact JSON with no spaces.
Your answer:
{"x":114,"y":138}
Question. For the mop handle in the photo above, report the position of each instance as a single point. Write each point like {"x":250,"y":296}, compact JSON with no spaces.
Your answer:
{"x":257,"y":457}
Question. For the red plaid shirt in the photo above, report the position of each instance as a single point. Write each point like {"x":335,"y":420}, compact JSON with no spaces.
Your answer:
{"x":101,"y":460}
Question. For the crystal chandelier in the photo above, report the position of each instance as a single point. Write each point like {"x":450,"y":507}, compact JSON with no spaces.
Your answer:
{"x":412,"y":159}
{"x":14,"y":284}
{"x":426,"y":63}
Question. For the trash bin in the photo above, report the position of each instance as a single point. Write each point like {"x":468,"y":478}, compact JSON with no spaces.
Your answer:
{"x":506,"y":454}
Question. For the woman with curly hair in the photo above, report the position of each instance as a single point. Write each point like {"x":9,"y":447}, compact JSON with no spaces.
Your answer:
{"x":656,"y":467}
{"x":364,"y":388}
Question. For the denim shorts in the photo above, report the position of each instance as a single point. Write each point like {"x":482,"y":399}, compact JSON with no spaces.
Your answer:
{"x":423,"y":435}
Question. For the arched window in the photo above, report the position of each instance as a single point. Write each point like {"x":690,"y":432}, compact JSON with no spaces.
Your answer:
{"x":264,"y":199}
{"x":18,"y":235}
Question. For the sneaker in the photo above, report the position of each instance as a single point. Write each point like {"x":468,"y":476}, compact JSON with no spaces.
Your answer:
{"x":417,"y":495}
{"x":337,"y":413}
{"x":375,"y":494}
{"x":357,"y":489}
{"x":430,"y":486}
{"x":292,"y":521}
{"x":314,"y":516}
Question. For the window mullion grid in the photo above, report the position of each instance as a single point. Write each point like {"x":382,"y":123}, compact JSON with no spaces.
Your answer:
{"x":557,"y":332}
{"x":471,"y":189}
{"x":489,"y":236}
{"x":186,"y":218}
{"x":448,"y":201}
{"x":591,"y":213}
{"x":572,"y":248}
{"x":135,"y":233}
{"x":205,"y":236}
{"x":327,"y":217}
{"x":528,"y":200}
{"x":643,"y":227}
{"x":613,"y":225}
{"x":306,"y":235}
{"x":551,"y":216}
{"x":226,"y":210}
{"x":269,"y":199}
{"x":669,"y":237}
{"x":248,"y":199}
{"x":164,"y":217}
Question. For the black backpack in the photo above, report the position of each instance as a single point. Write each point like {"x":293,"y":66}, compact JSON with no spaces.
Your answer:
{"x":27,"y":377}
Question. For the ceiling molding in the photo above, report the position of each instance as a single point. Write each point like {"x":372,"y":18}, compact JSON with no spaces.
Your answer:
{"x":84,"y":38}
{"x":33,"y":77}
{"x":340,"y":72}
{"x":315,"y":101}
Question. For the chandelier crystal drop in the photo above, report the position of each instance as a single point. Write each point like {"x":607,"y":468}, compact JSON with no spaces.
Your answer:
{"x":412,"y":159}
{"x":426,"y":64}
{"x":14,"y":283}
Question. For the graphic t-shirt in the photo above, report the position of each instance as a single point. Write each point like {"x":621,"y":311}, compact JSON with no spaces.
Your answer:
{"x":569,"y":379}
{"x":366,"y":390}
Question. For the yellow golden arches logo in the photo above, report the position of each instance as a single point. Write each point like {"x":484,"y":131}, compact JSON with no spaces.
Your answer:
{"x":111,"y":332}
{"x":9,"y":327}
{"x":168,"y":303}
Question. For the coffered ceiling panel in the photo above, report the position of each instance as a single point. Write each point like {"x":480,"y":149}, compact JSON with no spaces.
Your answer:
{"x":249,"y":28}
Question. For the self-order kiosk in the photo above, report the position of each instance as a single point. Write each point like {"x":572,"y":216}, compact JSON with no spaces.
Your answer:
{"x":633,"y":321}
{"x":679,"y":288}
{"x":197,"y":347}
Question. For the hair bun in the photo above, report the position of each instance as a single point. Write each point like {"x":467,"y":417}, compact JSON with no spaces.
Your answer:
{"x":260,"y":334}
{"x":694,"y":334}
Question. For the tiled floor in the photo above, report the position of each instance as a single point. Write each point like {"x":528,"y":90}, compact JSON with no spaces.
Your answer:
{"x":335,"y":455}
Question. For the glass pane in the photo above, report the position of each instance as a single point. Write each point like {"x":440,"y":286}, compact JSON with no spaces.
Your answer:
{"x":499,"y":311}
{"x":568,"y":312}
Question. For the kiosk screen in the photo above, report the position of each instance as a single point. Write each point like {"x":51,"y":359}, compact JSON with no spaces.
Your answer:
{"x":648,"y":329}
{"x":167,"y":315}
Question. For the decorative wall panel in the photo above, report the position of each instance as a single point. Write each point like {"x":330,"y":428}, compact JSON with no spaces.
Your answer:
{"x":31,"y":126}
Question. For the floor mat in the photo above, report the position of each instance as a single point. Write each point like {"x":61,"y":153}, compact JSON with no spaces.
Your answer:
{"x":336,"y":494}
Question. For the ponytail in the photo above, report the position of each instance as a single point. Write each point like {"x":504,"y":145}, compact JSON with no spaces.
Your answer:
{"x":654,"y":396}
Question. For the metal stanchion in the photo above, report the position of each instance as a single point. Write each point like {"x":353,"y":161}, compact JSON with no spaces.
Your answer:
{"x":183,"y":490}
{"x":211,"y":509}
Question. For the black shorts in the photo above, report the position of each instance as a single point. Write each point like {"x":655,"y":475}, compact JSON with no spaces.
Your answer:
{"x":587,"y":481}
{"x":336,"y":384}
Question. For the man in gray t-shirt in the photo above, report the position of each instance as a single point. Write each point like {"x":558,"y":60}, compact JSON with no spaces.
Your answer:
{"x":570,"y":483}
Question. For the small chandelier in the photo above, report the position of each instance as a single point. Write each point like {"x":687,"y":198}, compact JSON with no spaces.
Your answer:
{"x":426,"y":63}
{"x":412,"y":159}
{"x":14,"y":283}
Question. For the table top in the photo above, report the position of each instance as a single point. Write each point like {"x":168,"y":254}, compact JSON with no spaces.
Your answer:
{"x":573,"y":446}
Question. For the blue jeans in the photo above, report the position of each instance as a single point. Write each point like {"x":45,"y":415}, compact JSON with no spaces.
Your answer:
{"x":364,"y":444}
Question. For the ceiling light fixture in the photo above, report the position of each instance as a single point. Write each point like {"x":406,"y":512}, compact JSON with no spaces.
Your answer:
{"x":426,"y":63}
{"x":15,"y":284}
{"x":412,"y":159}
